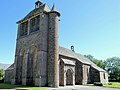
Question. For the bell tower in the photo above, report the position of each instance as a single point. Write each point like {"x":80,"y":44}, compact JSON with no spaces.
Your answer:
{"x":37,"y":54}
{"x":53,"y":48}
{"x":38,"y":4}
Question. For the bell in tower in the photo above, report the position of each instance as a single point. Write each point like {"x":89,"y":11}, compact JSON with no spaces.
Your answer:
{"x":38,"y":4}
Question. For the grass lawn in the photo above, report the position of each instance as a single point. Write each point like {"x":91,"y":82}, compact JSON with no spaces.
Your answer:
{"x":9,"y":86}
{"x":113,"y":85}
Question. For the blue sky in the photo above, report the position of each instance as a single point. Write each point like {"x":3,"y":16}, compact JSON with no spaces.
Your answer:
{"x":92,"y":26}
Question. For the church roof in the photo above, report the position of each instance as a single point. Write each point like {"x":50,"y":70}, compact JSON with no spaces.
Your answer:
{"x":69,"y":53}
{"x":68,"y":62}
{"x":10,"y":67}
{"x":42,"y":8}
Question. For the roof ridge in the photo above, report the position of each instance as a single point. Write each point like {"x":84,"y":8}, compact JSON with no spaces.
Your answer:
{"x":79,"y":57}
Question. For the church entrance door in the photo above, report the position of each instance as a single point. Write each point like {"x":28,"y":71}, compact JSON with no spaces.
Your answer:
{"x":69,"y":77}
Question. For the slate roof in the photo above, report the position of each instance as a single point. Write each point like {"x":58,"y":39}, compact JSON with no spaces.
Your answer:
{"x":69,"y":53}
{"x":10,"y":67}
{"x":68,"y":62}
{"x":43,"y":7}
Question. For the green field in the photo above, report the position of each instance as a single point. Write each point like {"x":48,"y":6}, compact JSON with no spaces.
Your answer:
{"x":113,"y":85}
{"x":9,"y":86}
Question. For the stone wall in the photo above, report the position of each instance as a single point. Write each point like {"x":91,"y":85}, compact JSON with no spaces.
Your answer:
{"x":31,"y":56}
{"x":9,"y":74}
{"x":64,"y":69}
{"x":94,"y":75}
{"x":69,"y":75}
{"x":61,"y":73}
{"x":7,"y":77}
{"x":104,"y":77}
{"x":86,"y":74}
{"x":53,"y":51}
{"x":82,"y":73}
{"x":78,"y":73}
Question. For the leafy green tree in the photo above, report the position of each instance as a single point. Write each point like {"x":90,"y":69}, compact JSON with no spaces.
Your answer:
{"x":90,"y":57}
{"x":111,"y":62}
{"x":115,"y":74}
{"x":113,"y":68}
{"x":112,"y":65}
{"x":99,"y":63}
{"x":1,"y":74}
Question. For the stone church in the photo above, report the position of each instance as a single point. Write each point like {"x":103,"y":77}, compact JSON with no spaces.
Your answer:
{"x":40,"y":61}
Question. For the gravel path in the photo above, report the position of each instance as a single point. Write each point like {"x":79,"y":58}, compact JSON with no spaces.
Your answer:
{"x":80,"y":87}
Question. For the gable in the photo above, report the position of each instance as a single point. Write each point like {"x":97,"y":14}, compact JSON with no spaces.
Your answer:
{"x":68,"y":62}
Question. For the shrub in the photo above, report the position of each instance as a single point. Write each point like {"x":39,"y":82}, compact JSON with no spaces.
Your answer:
{"x":109,"y":83}
{"x":2,"y":81}
{"x":1,"y":74}
{"x":98,"y":84}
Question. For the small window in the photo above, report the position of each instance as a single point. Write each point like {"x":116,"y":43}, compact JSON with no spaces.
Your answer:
{"x":37,"y":23}
{"x":23,"y":28}
{"x":87,"y":71}
{"x":104,"y":75}
{"x":34,"y":24}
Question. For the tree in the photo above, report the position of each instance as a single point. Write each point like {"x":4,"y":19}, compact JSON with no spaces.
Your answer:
{"x":115,"y":74}
{"x":90,"y":57}
{"x":112,"y":65}
{"x":111,"y":62}
{"x":99,"y":63}
{"x":1,"y":74}
{"x":113,"y":68}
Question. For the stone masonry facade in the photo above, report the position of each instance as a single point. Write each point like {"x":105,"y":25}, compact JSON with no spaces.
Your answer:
{"x":40,"y":61}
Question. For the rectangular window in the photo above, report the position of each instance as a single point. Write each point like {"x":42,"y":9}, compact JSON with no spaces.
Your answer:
{"x":37,"y":23}
{"x":34,"y":24}
{"x":23,"y":28}
{"x":104,"y":75}
{"x":87,"y":72}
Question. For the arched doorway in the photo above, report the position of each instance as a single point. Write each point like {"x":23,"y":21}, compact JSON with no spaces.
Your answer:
{"x":69,"y":77}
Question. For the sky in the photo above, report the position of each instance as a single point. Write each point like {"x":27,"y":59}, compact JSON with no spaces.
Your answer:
{"x":91,"y":26}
